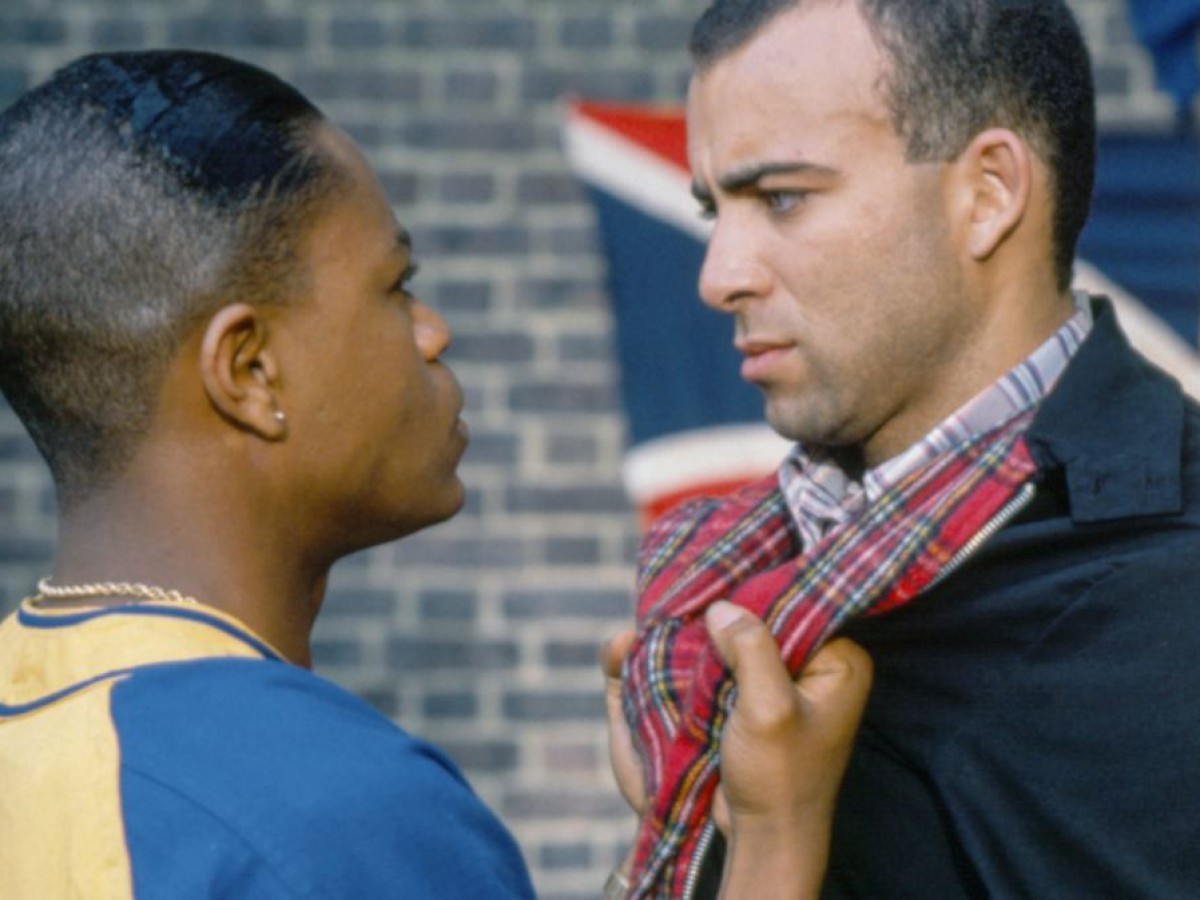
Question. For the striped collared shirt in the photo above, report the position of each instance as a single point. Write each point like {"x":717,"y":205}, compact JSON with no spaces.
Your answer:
{"x":821,"y":495}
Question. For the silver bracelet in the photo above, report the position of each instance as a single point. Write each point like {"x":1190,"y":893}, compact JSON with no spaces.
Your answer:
{"x":616,"y":886}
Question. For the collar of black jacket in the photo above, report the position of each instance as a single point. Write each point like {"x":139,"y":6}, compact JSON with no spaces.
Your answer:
{"x":1114,"y":426}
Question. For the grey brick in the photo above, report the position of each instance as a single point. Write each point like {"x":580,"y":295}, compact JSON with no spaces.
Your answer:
{"x":542,"y":83}
{"x":448,"y":605}
{"x":450,"y":704}
{"x":329,"y":652}
{"x":118,"y":32}
{"x":384,"y":698}
{"x":401,"y":189}
{"x":571,"y":602}
{"x":406,"y":654}
{"x":549,"y":188}
{"x":37,"y":31}
{"x":277,"y":32}
{"x":557,"y":293}
{"x":358,"y":563}
{"x":472,"y":505}
{"x":575,"y":498}
{"x":586,"y":32}
{"x":344,"y":82}
{"x":663,"y":31}
{"x":563,"y":654}
{"x":562,"y":803}
{"x":25,"y":548}
{"x":566,"y":242}
{"x":468,"y":188}
{"x":492,"y":757}
{"x":476,"y":33}
{"x":492,"y":449}
{"x":554,"y":706}
{"x":568,"y":756}
{"x":564,"y":397}
{"x":480,"y":133}
{"x":509,"y":347}
{"x":472,"y":87}
{"x":368,"y":135}
{"x":572,"y":855}
{"x":629,"y":552}
{"x":462,"y":296}
{"x":570,"y":448}
{"x":361,"y":602}
{"x":18,"y":447}
{"x":1118,"y":29}
{"x":461,"y":554}
{"x":572,"y":551}
{"x":359,"y":32}
{"x":473,"y":395}
{"x":482,"y":240}
{"x":1111,"y":79}
{"x":677,"y":80}
{"x":578,"y":348}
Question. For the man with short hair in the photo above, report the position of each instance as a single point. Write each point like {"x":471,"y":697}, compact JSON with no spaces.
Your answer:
{"x":990,"y":491}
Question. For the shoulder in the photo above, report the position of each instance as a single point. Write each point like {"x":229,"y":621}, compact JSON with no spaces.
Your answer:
{"x":247,"y":708}
{"x":313,"y":780}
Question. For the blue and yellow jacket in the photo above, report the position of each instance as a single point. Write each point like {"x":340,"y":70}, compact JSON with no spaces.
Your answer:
{"x":165,"y":751}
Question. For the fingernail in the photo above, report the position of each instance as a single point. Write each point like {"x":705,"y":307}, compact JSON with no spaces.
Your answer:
{"x":723,"y":613}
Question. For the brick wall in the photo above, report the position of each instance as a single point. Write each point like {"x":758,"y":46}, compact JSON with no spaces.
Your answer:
{"x":481,"y":634}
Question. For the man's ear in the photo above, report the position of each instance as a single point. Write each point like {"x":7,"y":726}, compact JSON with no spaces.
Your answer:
{"x":240,"y":372}
{"x":997,"y":180}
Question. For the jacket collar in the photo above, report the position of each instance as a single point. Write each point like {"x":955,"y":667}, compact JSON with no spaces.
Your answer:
{"x":1114,"y":426}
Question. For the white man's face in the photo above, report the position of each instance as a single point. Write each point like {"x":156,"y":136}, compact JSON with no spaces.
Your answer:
{"x":833,"y":253}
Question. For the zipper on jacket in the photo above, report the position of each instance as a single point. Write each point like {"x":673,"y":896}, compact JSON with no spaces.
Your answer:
{"x":693,"y":875}
{"x":1006,"y":514}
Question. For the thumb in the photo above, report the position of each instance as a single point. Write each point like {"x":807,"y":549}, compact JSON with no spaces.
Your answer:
{"x":839,"y":674}
{"x":749,"y":649}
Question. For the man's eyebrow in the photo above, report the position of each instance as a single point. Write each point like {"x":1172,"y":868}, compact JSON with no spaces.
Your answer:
{"x":748,"y":177}
{"x":404,"y":238}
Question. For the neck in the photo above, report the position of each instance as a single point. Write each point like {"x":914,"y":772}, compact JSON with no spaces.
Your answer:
{"x":156,"y":534}
{"x":1020,"y":316}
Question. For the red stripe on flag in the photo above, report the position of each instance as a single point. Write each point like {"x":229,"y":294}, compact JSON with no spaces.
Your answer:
{"x":661,"y":130}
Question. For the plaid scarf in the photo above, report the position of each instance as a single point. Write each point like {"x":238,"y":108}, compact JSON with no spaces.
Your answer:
{"x":744,"y":549}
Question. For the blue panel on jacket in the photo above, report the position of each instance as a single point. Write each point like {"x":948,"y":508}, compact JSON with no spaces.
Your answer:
{"x":258,"y":779}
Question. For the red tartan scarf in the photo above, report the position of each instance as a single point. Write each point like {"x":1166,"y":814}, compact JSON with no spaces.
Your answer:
{"x":744,"y":549}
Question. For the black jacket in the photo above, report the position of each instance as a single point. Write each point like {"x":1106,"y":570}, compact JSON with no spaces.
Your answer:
{"x":1034,"y":728}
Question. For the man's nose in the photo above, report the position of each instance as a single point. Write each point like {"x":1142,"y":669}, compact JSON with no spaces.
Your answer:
{"x":733,"y":270}
{"x":431,"y":332}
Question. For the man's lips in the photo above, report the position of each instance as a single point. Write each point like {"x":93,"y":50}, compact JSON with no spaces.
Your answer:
{"x":761,"y":358}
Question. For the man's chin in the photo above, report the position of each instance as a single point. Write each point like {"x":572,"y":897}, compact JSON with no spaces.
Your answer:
{"x":448,"y":504}
{"x":455,"y":500}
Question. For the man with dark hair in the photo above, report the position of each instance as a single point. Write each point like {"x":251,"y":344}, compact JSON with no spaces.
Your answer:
{"x":207,"y":328}
{"x":990,"y":491}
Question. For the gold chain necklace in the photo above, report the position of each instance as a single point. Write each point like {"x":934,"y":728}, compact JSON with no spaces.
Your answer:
{"x":100,"y":590}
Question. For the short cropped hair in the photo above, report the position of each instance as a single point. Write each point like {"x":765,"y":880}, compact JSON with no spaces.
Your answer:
{"x":958,"y":67}
{"x":139,"y":192}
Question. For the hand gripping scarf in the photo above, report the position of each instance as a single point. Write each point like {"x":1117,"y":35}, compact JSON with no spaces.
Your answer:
{"x":677,"y":691}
